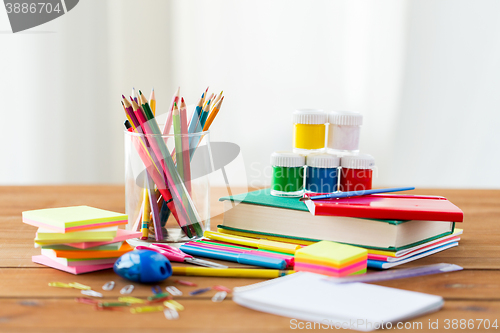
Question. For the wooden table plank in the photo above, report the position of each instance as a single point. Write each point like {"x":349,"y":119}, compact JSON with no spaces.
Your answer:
{"x":60,"y":315}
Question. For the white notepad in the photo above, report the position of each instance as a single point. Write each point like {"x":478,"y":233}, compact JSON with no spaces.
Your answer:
{"x":308,"y":296}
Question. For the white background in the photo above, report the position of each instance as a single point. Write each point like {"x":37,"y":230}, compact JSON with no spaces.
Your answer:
{"x":425,"y":74}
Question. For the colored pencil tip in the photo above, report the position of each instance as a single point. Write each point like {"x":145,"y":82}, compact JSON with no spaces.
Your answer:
{"x":122,"y":103}
{"x":182,"y":99}
{"x":140,"y":92}
{"x":123,"y":97}
{"x":202,"y":95}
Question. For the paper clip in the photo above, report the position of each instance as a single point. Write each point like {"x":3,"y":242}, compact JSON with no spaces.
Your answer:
{"x":219,"y":297}
{"x":59,"y":285}
{"x":131,"y":300}
{"x":186,"y":283}
{"x":145,"y":309}
{"x":112,"y":304}
{"x":80,"y":286}
{"x":91,"y":292}
{"x":174,"y":291}
{"x":127,"y":289}
{"x":199,"y":291}
{"x":86,"y":300}
{"x":173,"y":305}
{"x":221,"y":288}
{"x":156,"y":290}
{"x":108,"y":285}
{"x":171,"y":314}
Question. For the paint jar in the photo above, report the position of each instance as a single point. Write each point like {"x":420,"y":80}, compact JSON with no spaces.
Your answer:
{"x":309,"y":131}
{"x":288,"y":174}
{"x":357,"y":172}
{"x":344,"y":129}
{"x":322,"y":173}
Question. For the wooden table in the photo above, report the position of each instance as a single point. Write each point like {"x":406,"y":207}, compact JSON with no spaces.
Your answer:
{"x":27,"y":303}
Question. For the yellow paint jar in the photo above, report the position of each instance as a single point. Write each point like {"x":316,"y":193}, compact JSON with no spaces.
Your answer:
{"x":309,"y":130}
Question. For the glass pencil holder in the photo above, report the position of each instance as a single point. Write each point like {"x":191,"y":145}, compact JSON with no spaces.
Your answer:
{"x":167,"y":188}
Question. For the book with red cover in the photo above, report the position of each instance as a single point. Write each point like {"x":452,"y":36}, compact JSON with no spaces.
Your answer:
{"x":388,"y":206}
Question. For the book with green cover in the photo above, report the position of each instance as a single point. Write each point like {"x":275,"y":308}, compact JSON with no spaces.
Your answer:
{"x":260,"y":213}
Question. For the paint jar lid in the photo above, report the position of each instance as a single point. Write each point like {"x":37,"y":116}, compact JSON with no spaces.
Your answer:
{"x":318,"y":160}
{"x":345,"y":118}
{"x":361,"y":161}
{"x":287,"y":159}
{"x":310,"y":117}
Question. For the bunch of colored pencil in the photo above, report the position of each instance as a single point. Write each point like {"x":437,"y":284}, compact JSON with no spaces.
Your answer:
{"x":167,"y":185}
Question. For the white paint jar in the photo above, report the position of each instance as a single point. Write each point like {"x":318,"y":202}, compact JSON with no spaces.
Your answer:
{"x":344,"y":129}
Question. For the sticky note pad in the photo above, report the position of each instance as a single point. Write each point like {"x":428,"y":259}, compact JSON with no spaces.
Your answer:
{"x":71,"y":219}
{"x":87,"y":254}
{"x":45,"y":236}
{"x":331,"y":253}
{"x":330,"y":258}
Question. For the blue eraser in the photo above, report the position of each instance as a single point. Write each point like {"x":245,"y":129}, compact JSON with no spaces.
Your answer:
{"x":143,"y":266}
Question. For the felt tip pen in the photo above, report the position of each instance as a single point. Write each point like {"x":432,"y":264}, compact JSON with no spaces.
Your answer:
{"x":288,"y":258}
{"x":242,"y":258}
{"x":231,"y":272}
{"x":254,"y":242}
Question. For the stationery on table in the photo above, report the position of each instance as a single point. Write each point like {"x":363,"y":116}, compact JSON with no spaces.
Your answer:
{"x":221,"y":246}
{"x":338,"y":305}
{"x":264,"y":215}
{"x":333,"y":259}
{"x":174,"y":254}
{"x":76,"y":250}
{"x":338,"y":195}
{"x":169,"y":173}
{"x":121,"y":235}
{"x":242,"y":258}
{"x":231,"y":272}
{"x":69,"y":219}
{"x":385,"y":206}
{"x":260,"y":216}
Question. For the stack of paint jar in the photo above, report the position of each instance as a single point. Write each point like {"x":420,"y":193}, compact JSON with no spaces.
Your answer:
{"x":325,"y":156}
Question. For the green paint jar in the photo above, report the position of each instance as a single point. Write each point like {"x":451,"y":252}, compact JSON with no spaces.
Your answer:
{"x":288,"y":174}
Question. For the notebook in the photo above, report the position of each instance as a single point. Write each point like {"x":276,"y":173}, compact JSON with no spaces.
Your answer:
{"x":308,"y":296}
{"x":260,"y":213}
{"x":44,"y":260}
{"x":389,"y":253}
{"x":46,"y":236}
{"x":71,"y":219}
{"x":386,"y":265}
{"x":388,"y":206}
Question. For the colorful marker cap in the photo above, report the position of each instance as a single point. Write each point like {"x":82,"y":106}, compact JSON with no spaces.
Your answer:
{"x":345,"y":118}
{"x":310,"y":117}
{"x":287,"y":159}
{"x":323,"y":161}
{"x":361,"y":161}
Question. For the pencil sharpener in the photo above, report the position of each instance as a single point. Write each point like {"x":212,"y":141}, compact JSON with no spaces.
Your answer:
{"x":143,"y":266}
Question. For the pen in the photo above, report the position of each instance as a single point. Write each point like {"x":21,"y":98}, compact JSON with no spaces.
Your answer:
{"x":231,"y":272}
{"x":242,"y":258}
{"x":288,"y":258}
{"x":253,"y":242}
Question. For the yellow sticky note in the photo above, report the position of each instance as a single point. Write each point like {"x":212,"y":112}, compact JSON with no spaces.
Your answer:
{"x":330,"y":253}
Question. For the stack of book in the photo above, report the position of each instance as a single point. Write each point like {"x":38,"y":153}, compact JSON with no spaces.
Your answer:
{"x":79,"y":239}
{"x":395,"y":229}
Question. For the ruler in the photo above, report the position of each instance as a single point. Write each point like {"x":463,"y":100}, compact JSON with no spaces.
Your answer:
{"x":397,"y":274}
